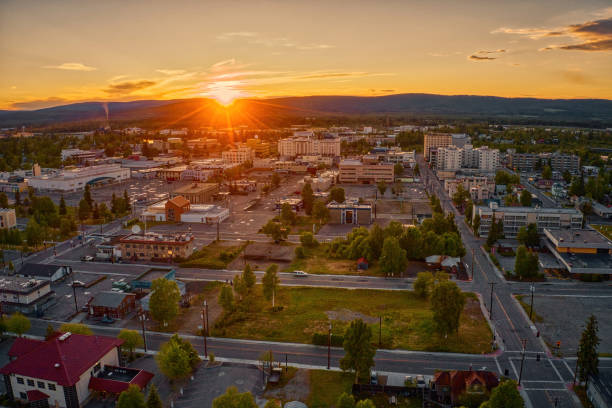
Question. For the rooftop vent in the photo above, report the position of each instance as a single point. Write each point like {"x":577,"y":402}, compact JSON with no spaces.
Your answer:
{"x":57,"y":365}
{"x":64,"y":336}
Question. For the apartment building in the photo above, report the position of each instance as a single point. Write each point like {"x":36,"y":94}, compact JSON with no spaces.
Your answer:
{"x":516,"y":217}
{"x":488,"y":159}
{"x":565,"y":162}
{"x":479,"y":187}
{"x":558,"y":162}
{"x":237,"y":156}
{"x":156,"y":246}
{"x":261,"y":149}
{"x":449,"y":158}
{"x":355,"y":171}
{"x":436,"y":140}
{"x":300,"y":146}
{"x":8,"y":219}
{"x":454,"y":158}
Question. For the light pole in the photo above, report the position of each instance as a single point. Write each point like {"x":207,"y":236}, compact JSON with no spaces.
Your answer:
{"x":76,"y":306}
{"x":204,"y":316}
{"x":142,"y":318}
{"x":491,"y":302}
{"x":532,"y":289}
{"x":329,"y":346}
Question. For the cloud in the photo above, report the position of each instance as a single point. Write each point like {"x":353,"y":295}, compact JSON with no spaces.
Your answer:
{"x":576,"y":76}
{"x":127,"y":87}
{"x":593,"y":35}
{"x":491,"y":52}
{"x":171,"y":71}
{"x":475,"y":57}
{"x":267,"y":41}
{"x":485,"y":55}
{"x":38,"y":103}
{"x":71,"y":66}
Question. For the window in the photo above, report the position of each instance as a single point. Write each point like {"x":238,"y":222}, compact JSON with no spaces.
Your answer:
{"x":19,"y":380}
{"x":40,"y":384}
{"x":51,"y":386}
{"x":23,"y":395}
{"x":31,"y":383}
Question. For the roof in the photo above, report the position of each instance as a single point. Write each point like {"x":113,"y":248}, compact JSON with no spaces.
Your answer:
{"x":116,"y":384}
{"x":195,"y":188}
{"x":179,"y":201}
{"x":62,"y":359}
{"x":17,"y":284}
{"x":35,"y":395}
{"x":584,"y":238}
{"x":459,"y":380}
{"x":34,"y":269}
{"x":22,"y":345}
{"x":109,"y":299}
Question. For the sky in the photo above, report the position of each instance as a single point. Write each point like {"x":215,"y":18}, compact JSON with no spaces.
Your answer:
{"x":54,"y":52}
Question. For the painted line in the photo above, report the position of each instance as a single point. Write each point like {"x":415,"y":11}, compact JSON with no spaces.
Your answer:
{"x":499,"y":369}
{"x":513,"y":368}
{"x":556,"y":371}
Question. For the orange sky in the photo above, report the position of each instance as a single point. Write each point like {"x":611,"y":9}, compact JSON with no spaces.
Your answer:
{"x":57,"y":52}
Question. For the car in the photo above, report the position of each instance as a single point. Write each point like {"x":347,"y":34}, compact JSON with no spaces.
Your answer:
{"x":300,"y":274}
{"x":87,"y":258}
{"x":420,"y":381}
{"x":107,"y":320}
{"x":78,"y":284}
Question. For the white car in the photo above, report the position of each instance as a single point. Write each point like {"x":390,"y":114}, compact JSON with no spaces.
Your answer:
{"x":300,"y":273}
{"x":87,"y":258}
{"x":420,"y":380}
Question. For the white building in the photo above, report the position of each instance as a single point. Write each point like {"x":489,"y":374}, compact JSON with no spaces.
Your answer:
{"x":303,"y":146}
{"x":488,"y":159}
{"x":76,"y":178}
{"x":466,"y":157}
{"x":239,"y":155}
{"x":449,"y":158}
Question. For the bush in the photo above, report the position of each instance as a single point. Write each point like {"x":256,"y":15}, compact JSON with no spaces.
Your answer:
{"x":211,"y":357}
{"x":299,"y":253}
{"x":321,"y":339}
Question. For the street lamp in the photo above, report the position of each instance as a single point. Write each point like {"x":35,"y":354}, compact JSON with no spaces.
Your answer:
{"x":204,"y":316}
{"x":329,"y":346}
{"x":531,"y":289}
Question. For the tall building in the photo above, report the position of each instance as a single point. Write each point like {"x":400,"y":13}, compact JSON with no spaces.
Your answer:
{"x":565,"y":162}
{"x":454,"y":158}
{"x":302,"y":146}
{"x":449,"y":158}
{"x":488,"y":159}
{"x":436,"y":140}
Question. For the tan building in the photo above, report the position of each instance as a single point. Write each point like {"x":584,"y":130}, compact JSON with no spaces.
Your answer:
{"x":299,"y":146}
{"x":156,"y":246}
{"x":350,"y":212}
{"x":8,"y":218}
{"x":239,"y":155}
{"x":261,"y":149}
{"x":171,"y":173}
{"x":435,"y":140}
{"x":354,"y":171}
{"x":197,"y":193}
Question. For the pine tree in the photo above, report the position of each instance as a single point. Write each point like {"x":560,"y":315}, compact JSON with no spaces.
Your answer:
{"x":62,"y":206}
{"x":126,"y":201}
{"x":17,"y":197}
{"x":87,"y":195}
{"x":114,"y":204}
{"x":153,"y":399}
{"x":588,"y":358}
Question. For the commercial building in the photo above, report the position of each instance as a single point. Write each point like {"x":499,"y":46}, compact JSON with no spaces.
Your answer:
{"x":205,"y":214}
{"x":75,"y":179}
{"x":171,"y":173}
{"x":434,"y":141}
{"x":516,"y":217}
{"x":284,"y":166}
{"x":64,"y":370}
{"x":156,"y":246}
{"x":25,"y":295}
{"x":175,"y":207}
{"x":407,"y":159}
{"x":350,"y":212}
{"x":354,"y":171}
{"x":197,"y":193}
{"x":237,"y":156}
{"x":8,"y":219}
{"x":261,"y":149}
{"x":180,"y":210}
{"x":48,"y":272}
{"x":298,"y":146}
{"x":81,"y":155}
{"x":580,"y":251}
{"x":116,"y":305}
{"x":599,"y":389}
{"x":601,"y":210}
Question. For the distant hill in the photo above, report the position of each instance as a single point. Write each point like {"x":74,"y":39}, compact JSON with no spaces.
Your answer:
{"x":205,"y":112}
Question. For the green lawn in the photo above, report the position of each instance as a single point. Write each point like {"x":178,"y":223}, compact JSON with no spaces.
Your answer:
{"x":217,"y":255}
{"x":327,"y":386}
{"x":318,"y":262}
{"x":606,"y":230}
{"x":407,"y":321}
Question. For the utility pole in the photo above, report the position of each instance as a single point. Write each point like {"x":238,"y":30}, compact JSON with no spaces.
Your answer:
{"x":473,"y":263}
{"x":532,"y":289}
{"x":76,"y":306}
{"x":204,"y":328}
{"x":522,"y":361}
{"x":329,"y":346}
{"x":491,"y":302}
{"x":379,"y":331}
{"x":217,"y":230}
{"x":141,"y":317}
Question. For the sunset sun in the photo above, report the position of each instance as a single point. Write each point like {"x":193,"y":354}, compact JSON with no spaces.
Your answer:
{"x":224,"y":92}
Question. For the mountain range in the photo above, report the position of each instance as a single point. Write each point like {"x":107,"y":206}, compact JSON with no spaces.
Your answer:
{"x":276,"y":111}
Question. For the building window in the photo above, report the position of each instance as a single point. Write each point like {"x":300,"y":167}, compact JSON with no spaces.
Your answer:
{"x":19,"y":380}
{"x":40,"y":384}
{"x":23,"y":395}
{"x":51,"y":386}
{"x":31,"y":383}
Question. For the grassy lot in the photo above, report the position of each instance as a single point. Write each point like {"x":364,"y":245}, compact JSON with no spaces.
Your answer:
{"x":407,"y":321}
{"x":606,"y":230}
{"x":317,"y":261}
{"x":327,"y":386}
{"x":217,"y":255}
{"x":527,"y":307}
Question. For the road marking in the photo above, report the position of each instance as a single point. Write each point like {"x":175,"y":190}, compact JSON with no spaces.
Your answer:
{"x":556,"y":371}
{"x":499,"y":369}
{"x":568,"y":367}
{"x":513,"y":368}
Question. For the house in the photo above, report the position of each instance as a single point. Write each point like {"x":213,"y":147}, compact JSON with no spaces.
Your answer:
{"x":112,"y":304}
{"x":175,"y":207}
{"x":51,"y":273}
{"x":63,"y":370}
{"x":449,"y":385}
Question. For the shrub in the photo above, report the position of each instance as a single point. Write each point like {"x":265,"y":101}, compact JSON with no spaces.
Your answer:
{"x":299,"y":252}
{"x":211,"y":357}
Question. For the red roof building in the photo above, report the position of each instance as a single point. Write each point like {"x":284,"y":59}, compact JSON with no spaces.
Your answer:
{"x":449,"y":385}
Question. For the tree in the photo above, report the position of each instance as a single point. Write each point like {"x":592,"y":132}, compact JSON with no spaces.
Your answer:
{"x":345,"y":401}
{"x":567,"y":176}
{"x":3,"y":200}
{"x":393,"y":257}
{"x":337,"y":194}
{"x":153,"y":399}
{"x":287,"y":216}
{"x":84,"y":209}
{"x":588,"y":357}
{"x":423,"y":284}
{"x":131,"y":339}
{"x":577,"y":187}
{"x":17,"y":198}
{"x":49,"y":332}
{"x":359,"y":352}
{"x":176,"y":358}
{"x":270,"y":282}
{"x":416,"y":170}
{"x":248,"y":277}
{"x":382,"y":187}
{"x":103,"y":211}
{"x":275,"y":231}
{"x":447,"y":303}
{"x":308,"y":240}
{"x":126,"y":202}
{"x":365,"y":404}
{"x":496,"y":231}
{"x":114,"y":208}
{"x":234,"y":399}
{"x":476,"y":225}
{"x":131,"y":398}
{"x":164,"y":301}
{"x":398,"y":169}
{"x":529,"y":236}
{"x":307,"y":198}
{"x":275,"y":181}
{"x":320,"y":211}
{"x":375,"y":241}
{"x":18,"y":324}
{"x":87,"y":195}
{"x":505,"y":395}
{"x":525,"y":263}
{"x":34,"y":233}
{"x":226,"y":299}
{"x":62,"y":206}
{"x":76,"y":328}
{"x":460,"y":196}
{"x":546,"y":173}
{"x":525,"y":198}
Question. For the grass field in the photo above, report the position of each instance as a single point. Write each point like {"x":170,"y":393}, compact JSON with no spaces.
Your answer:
{"x":606,"y":230}
{"x":407,"y":321}
{"x":217,"y":255}
{"x":327,"y":386}
{"x":318,"y":262}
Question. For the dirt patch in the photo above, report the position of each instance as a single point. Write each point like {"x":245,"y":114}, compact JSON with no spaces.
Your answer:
{"x":296,"y":389}
{"x":346,"y":315}
{"x":472,"y":309}
{"x":269,"y":252}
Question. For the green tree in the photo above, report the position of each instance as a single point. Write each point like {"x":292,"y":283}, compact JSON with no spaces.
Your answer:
{"x":447,"y":303}
{"x":3,"y":200}
{"x":176,"y":358}
{"x":126,"y":202}
{"x":307,"y":198}
{"x":337,"y":194}
{"x":34,"y":233}
{"x":567,"y":176}
{"x":382,"y":187}
{"x":164,"y":300}
{"x":131,"y":339}
{"x":234,"y":399}
{"x":248,"y":277}
{"x":84,"y":209}
{"x":393,"y":257}
{"x":76,"y":328}
{"x":18,"y":324}
{"x":87,"y":195}
{"x":287,"y":216}
{"x":525,"y":263}
{"x":345,"y":401}
{"x":505,"y":395}
{"x":270,"y":282}
{"x":131,"y":398}
{"x":275,"y":181}
{"x":398,"y":169}
{"x":153,"y":399}
{"x":62,"y":206}
{"x":460,"y":196}
{"x":423,"y":284}
{"x":226,"y":299}
{"x":308,"y":240}
{"x":525,"y":198}
{"x":49,"y":332}
{"x":365,"y":404}
{"x":588,"y":357}
{"x":114,"y":205}
{"x":275,"y":231}
{"x":577,"y":187}
{"x":359,"y":352}
{"x":529,"y":236}
{"x":476,"y":225}
{"x":546,"y":173}
{"x":320,"y":211}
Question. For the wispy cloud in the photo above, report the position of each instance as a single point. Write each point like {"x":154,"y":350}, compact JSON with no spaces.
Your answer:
{"x":171,"y":71}
{"x":71,"y":66}
{"x":38,"y":103}
{"x":475,"y":57}
{"x":486,"y":55}
{"x":271,"y":41}
{"x":128,"y":87}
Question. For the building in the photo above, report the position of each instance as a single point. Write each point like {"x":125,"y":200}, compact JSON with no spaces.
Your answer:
{"x":51,"y":273}
{"x":175,"y":207}
{"x":116,"y":305}
{"x":64,"y":370}
{"x":516,"y":217}
{"x":197,"y":193}
{"x":434,"y":141}
{"x":523,"y":161}
{"x":295,"y":203}
{"x":354,"y":171}
{"x":488,"y":159}
{"x":449,"y":158}
{"x":466,"y":157}
{"x":565,"y":162}
{"x":350,"y":212}
{"x":25,"y":295}
{"x":599,"y":389}
{"x":75,"y":179}
{"x":461,"y":139}
{"x":237,"y":156}
{"x":299,"y":146}
{"x":8,"y":219}
{"x":601,"y":210}
{"x":205,"y":214}
{"x":580,"y":251}
{"x":184,"y":212}
{"x":479,"y":187}
{"x":285,"y":166}
{"x":530,"y":162}
{"x":448,"y":386}
{"x":81,"y":155}
{"x":171,"y":173}
{"x":156,"y":246}
{"x":261,"y":149}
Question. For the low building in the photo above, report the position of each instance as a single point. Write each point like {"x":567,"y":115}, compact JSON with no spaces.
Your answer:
{"x":175,"y":207}
{"x":602,"y":210}
{"x":8,"y":219}
{"x":354,"y":171}
{"x":75,"y":179}
{"x":51,"y":273}
{"x":448,"y":386}
{"x":580,"y":251}
{"x":25,"y":295}
{"x":171,"y":173}
{"x":350,"y":212}
{"x":296,"y":204}
{"x":116,"y":305}
{"x":197,"y":193}
{"x":152,"y":246}
{"x":479,"y":187}
{"x":290,"y":167}
{"x":205,"y":214}
{"x":64,"y":370}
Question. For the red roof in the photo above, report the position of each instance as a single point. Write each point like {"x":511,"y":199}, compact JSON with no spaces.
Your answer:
{"x":21,"y":346}
{"x":35,"y":395}
{"x":60,"y":361}
{"x":459,"y":381}
{"x":117,"y":387}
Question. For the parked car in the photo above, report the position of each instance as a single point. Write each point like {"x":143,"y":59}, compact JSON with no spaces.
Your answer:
{"x":87,"y":258}
{"x":300,"y":274}
{"x":420,"y":380}
{"x":374,"y":378}
{"x":107,"y":320}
